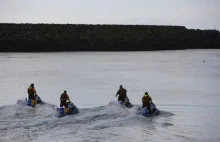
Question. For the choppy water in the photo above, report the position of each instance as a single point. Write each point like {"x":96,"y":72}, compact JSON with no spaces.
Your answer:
{"x":183,"y":86}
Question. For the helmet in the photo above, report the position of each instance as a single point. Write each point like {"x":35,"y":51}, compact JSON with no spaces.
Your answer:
{"x":65,"y":91}
{"x":32,"y":84}
{"x":120,"y":86}
{"x":146,"y":93}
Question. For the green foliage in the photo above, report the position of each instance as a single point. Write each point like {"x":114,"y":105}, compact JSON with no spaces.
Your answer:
{"x":69,"y":37}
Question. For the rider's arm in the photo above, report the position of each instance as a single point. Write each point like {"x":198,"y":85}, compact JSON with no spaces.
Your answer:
{"x":35,"y":93}
{"x":68,"y":98}
{"x":150,"y":98}
{"x":117,"y":93}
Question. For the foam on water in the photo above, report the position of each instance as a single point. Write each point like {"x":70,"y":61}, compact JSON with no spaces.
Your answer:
{"x":24,"y":123}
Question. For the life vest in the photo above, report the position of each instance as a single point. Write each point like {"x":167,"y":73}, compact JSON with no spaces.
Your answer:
{"x":146,"y":99}
{"x":122,"y":92}
{"x":64,"y":96}
{"x":31,"y":90}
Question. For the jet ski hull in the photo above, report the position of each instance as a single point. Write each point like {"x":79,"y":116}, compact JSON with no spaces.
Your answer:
{"x":32,"y":103}
{"x":145,"y":112}
{"x":72,"y":109}
{"x":126,"y":103}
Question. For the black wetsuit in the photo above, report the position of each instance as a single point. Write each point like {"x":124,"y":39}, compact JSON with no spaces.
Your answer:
{"x":122,"y":94}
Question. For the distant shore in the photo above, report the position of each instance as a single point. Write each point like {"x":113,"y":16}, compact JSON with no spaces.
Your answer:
{"x":72,"y":37}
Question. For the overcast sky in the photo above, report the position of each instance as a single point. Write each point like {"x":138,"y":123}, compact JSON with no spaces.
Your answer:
{"x":196,"y":14}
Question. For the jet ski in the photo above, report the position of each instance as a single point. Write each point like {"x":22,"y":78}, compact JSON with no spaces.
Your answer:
{"x":145,"y":112}
{"x":127,"y":103}
{"x":71,"y":110}
{"x":33,"y":103}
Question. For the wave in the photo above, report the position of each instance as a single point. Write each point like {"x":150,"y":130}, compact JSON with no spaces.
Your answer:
{"x":25,"y":123}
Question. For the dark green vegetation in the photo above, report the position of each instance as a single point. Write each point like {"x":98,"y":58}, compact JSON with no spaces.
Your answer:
{"x":61,"y":37}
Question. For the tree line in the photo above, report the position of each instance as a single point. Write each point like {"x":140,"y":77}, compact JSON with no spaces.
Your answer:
{"x":82,"y":37}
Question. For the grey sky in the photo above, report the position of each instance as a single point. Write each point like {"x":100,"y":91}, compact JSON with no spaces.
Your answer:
{"x":201,"y":14}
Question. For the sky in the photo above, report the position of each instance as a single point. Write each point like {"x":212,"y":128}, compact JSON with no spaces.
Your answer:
{"x":194,"y":14}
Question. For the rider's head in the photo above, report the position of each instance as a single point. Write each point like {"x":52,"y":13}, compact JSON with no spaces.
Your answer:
{"x":65,"y":91}
{"x":120,"y":86}
{"x":146,"y":93}
{"x":32,"y":84}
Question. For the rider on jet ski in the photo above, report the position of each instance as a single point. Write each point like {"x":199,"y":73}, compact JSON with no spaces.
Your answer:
{"x":32,"y":93}
{"x":70,"y":108}
{"x":147,"y":100}
{"x":122,"y":94}
{"x":63,"y":99}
